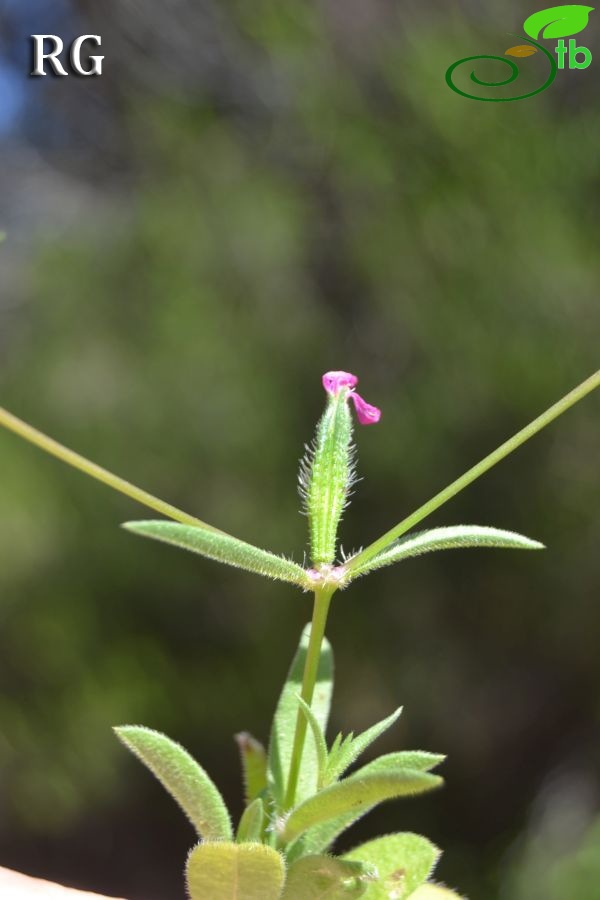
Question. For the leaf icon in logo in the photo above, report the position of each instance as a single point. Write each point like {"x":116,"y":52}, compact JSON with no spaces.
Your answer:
{"x":557,"y":21}
{"x":521,"y":50}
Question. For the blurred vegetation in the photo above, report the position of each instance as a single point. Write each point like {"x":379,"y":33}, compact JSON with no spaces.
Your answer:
{"x":330,"y":205}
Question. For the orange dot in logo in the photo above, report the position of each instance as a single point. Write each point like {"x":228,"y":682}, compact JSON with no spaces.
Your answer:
{"x":521,"y":50}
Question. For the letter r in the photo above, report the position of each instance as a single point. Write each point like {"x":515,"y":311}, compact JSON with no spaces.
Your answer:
{"x":53,"y":57}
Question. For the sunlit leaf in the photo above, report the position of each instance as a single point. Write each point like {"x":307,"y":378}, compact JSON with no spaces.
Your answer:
{"x":327,"y":878}
{"x":222,"y":548}
{"x":183,"y":778}
{"x":403,"y":863}
{"x":521,"y":50}
{"x":319,"y":838}
{"x":284,"y":723}
{"x":557,"y":21}
{"x":353,"y":797}
{"x":224,"y":871}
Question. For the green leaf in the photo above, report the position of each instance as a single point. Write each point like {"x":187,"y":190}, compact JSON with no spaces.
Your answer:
{"x":254,"y":765}
{"x":346,"y":753}
{"x":223,"y":871}
{"x":319,"y":838}
{"x":183,"y":778}
{"x":319,"y":738}
{"x":557,"y":21}
{"x":353,"y":797}
{"x":403,"y":863}
{"x":284,"y":723}
{"x":434,"y":892}
{"x":251,"y":824}
{"x":454,"y":537}
{"x":223,"y":548}
{"x":420,"y":760}
{"x":326,"y":878}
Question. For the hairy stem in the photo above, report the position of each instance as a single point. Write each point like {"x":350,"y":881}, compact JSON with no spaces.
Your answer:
{"x":12,"y":423}
{"x":311,"y":668}
{"x":472,"y":474}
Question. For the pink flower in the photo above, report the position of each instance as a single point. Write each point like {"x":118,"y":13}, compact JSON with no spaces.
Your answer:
{"x":366,"y":414}
{"x":333,"y":382}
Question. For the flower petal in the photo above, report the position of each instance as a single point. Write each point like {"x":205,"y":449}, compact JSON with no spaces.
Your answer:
{"x":367,"y":414}
{"x":333,"y":382}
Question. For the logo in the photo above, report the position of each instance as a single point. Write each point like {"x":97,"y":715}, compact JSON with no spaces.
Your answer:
{"x":557,"y":22}
{"x":53,"y":57}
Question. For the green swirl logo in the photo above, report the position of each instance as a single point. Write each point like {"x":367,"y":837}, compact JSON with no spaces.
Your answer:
{"x":555,"y":22}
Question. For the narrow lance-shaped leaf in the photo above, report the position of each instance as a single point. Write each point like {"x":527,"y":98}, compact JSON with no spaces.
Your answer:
{"x":251,"y":824}
{"x":349,"y":751}
{"x":327,"y":878}
{"x":254,"y":765}
{"x":320,"y":837}
{"x":319,"y":739}
{"x":224,"y":871}
{"x":401,"y":761}
{"x":222,"y":548}
{"x":183,"y":778}
{"x":403,"y":863}
{"x":454,"y":537}
{"x":284,"y":723}
{"x":354,"y":796}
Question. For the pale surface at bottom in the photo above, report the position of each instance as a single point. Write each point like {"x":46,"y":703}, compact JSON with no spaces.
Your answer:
{"x":14,"y":886}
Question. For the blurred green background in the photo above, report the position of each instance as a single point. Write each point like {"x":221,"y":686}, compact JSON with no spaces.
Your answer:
{"x":250,"y":195}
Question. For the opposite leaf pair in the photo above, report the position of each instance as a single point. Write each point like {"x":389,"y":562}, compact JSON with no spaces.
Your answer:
{"x":234,"y":552}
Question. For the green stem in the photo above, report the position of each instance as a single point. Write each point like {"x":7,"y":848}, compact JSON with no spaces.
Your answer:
{"x":12,"y":423}
{"x":503,"y":450}
{"x":311,"y":668}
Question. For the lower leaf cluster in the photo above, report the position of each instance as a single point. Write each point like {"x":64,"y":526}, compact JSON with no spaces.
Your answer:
{"x":281,"y":853}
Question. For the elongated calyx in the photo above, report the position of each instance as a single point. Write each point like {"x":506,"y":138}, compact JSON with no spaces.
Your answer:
{"x":328,"y":471}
